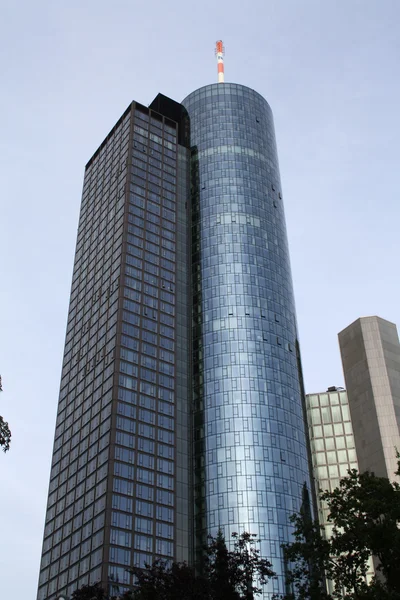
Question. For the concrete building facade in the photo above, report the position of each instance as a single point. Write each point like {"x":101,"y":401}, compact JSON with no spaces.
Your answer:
{"x":332,"y":448}
{"x":332,"y":443}
{"x":370,"y":352}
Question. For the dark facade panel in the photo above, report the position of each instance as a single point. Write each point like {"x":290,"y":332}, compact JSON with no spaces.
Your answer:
{"x":119,"y":482}
{"x":74,"y":533}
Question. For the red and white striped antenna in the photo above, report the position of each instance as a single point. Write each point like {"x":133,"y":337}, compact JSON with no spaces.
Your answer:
{"x":219,"y":52}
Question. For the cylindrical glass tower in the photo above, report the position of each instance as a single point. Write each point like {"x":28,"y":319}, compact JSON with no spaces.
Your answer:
{"x":251,"y":459}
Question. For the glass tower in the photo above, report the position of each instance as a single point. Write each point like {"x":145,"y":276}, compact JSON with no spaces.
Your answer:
{"x":250,"y":450}
{"x":181,"y":406}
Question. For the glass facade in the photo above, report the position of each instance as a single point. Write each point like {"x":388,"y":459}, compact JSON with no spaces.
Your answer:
{"x":332,"y":443}
{"x":118,"y":493}
{"x":74,"y":535}
{"x":251,"y":458}
{"x":332,"y":448}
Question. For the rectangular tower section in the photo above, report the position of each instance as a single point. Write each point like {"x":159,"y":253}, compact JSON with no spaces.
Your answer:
{"x":119,"y":481}
{"x":370,"y":353}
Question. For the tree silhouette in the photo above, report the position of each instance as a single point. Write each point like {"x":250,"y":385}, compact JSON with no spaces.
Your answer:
{"x":236,"y":574}
{"x":365,"y":514}
{"x":5,"y":433}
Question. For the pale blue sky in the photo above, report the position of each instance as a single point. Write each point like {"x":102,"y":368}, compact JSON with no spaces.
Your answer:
{"x":69,"y":69}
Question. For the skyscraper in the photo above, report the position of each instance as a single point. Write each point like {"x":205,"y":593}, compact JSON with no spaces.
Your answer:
{"x":332,"y":443}
{"x":332,"y":448}
{"x":370,"y":353}
{"x":181,"y":408}
{"x":249,"y":438}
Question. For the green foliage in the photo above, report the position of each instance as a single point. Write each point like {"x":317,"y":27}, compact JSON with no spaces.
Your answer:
{"x":235,"y":574}
{"x":161,"y":582}
{"x":307,"y":556}
{"x":226,"y":575}
{"x":5,"y":435}
{"x":89,"y":592}
{"x":365,"y":515}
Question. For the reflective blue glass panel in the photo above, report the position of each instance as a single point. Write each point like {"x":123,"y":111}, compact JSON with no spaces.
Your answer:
{"x":250,"y":443}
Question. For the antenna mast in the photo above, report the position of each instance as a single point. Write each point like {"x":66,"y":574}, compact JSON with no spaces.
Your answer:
{"x":219,"y":52}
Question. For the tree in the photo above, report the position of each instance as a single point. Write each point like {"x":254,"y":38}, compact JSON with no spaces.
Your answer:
{"x":162,"y":582}
{"x":225,"y":574}
{"x":365,"y":514}
{"x":235,"y":574}
{"x":89,"y":592}
{"x":5,"y":433}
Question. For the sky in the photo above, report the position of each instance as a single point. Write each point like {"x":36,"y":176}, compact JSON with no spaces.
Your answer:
{"x":69,"y":69}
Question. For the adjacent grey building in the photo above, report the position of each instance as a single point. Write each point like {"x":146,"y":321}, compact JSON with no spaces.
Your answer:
{"x":181,"y":408}
{"x":370,"y":353}
{"x":332,"y":443}
{"x":332,"y":449}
